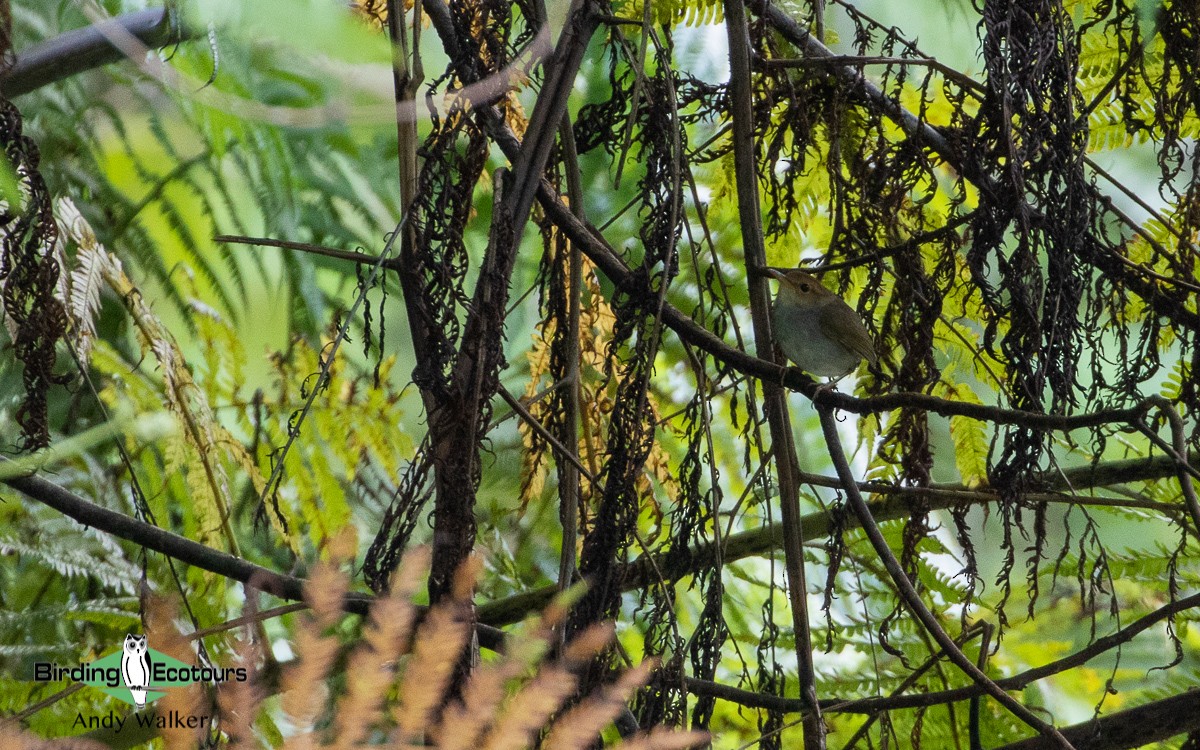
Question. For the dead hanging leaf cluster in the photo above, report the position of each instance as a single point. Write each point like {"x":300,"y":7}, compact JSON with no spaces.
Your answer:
{"x":36,"y":320}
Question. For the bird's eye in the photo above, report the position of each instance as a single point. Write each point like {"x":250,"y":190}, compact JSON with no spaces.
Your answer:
{"x":804,"y":287}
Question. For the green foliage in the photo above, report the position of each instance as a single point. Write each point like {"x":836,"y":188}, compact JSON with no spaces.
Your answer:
{"x":295,"y":139}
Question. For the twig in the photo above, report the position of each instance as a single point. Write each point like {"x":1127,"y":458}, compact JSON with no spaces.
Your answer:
{"x":570,"y":490}
{"x":950,"y":73}
{"x":973,"y":718}
{"x":908,"y":593}
{"x":911,"y":679}
{"x":559,"y":449}
{"x":392,"y":264}
{"x":1179,"y":455}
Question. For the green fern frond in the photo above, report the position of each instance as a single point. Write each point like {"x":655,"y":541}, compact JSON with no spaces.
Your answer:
{"x":68,"y":558}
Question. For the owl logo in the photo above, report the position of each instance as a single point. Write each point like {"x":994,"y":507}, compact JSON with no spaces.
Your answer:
{"x":135,"y":668}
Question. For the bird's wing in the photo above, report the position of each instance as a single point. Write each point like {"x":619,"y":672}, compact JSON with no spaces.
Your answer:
{"x":842,"y":324}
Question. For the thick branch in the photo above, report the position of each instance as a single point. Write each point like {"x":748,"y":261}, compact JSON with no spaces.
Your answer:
{"x":1135,"y":727}
{"x":161,"y":540}
{"x":761,"y":541}
{"x":83,"y":49}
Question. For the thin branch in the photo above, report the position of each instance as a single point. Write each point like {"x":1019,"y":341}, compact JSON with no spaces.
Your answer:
{"x":908,"y":593}
{"x":774,"y":397}
{"x":638,"y":64}
{"x":250,"y":619}
{"x":962,"y":79}
{"x":328,"y":353}
{"x":973,"y":715}
{"x":1184,"y":242}
{"x":1179,"y":456}
{"x":911,"y":243}
{"x":570,"y":490}
{"x":598,"y":250}
{"x":21,"y":716}
{"x":189,"y":552}
{"x":560,"y":450}
{"x":912,"y":678}
{"x":392,"y":264}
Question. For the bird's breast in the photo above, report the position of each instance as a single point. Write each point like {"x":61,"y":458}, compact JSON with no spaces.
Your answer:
{"x":799,"y":334}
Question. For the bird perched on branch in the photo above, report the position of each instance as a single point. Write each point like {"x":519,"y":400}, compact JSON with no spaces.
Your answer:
{"x":815,"y":328}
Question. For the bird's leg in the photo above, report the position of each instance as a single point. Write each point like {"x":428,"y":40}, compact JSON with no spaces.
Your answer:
{"x":826,"y":387}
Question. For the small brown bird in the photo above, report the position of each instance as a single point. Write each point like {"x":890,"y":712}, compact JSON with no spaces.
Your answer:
{"x":816,"y":329}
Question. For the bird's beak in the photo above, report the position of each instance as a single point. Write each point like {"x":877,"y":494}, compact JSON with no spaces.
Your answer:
{"x":774,"y":273}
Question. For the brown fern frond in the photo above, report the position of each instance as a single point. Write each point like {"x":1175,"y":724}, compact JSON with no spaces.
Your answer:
{"x":436,"y":650}
{"x":464,"y":722}
{"x":530,"y":709}
{"x":465,"y":579}
{"x":239,"y":701}
{"x":303,"y":684}
{"x":188,"y":700}
{"x":367,"y":684}
{"x":663,"y":738}
{"x":372,"y":667}
{"x":579,"y":727}
{"x":324,"y":594}
{"x":392,"y":616}
{"x":483,"y":719}
{"x":588,"y":643}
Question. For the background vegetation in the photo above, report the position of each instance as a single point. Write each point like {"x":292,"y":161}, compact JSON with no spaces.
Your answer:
{"x":263,"y":289}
